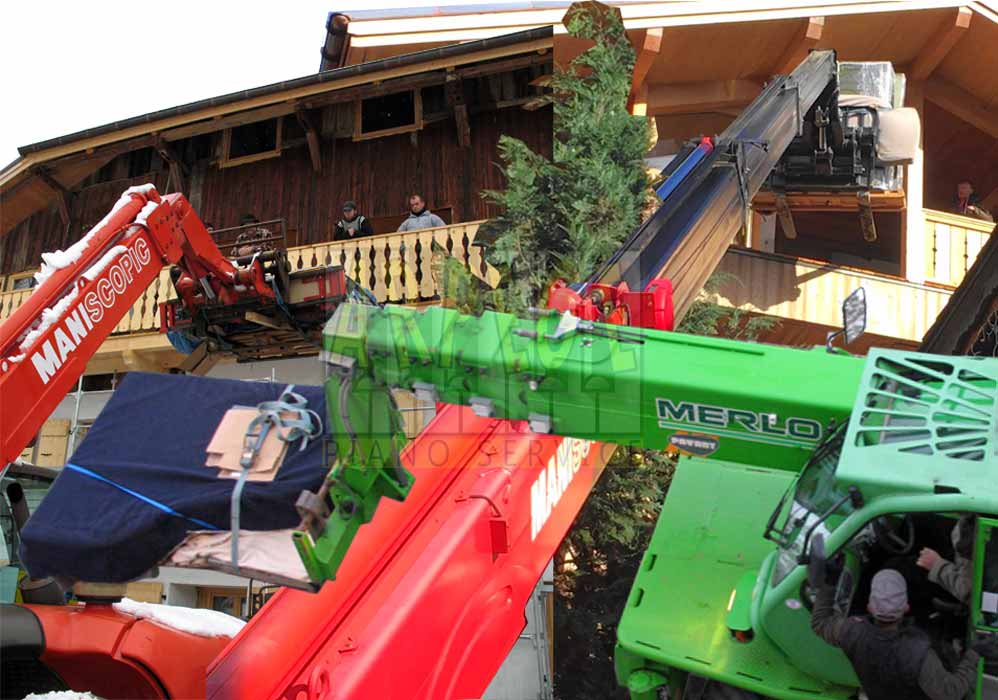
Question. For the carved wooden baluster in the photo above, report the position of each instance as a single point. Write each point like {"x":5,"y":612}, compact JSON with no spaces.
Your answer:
{"x":427,"y":288}
{"x":395,"y":246}
{"x":410,"y":262}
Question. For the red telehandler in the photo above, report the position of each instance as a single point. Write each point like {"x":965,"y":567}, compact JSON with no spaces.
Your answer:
{"x":45,"y":345}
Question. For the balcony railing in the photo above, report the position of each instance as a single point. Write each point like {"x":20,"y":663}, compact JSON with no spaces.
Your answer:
{"x":397,"y":267}
{"x":952,"y":243}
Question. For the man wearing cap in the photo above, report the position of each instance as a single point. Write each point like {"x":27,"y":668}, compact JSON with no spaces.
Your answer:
{"x":352,"y":225}
{"x":891,"y":660}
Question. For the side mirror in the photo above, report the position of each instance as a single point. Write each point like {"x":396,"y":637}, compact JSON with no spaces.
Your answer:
{"x":853,"y":318}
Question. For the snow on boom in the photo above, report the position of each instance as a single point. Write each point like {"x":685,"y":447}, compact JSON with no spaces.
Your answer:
{"x":113,"y":280}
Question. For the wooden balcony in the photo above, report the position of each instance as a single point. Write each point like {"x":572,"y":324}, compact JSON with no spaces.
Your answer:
{"x":952,"y":243}
{"x":395,"y":266}
{"x":812,"y":292}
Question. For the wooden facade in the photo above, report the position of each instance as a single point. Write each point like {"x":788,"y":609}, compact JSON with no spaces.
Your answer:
{"x":378,"y":174}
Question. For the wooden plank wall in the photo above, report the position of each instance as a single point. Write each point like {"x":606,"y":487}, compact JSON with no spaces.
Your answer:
{"x":378,"y":174}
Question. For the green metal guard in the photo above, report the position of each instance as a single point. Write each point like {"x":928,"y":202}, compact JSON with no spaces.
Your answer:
{"x":366,"y":426}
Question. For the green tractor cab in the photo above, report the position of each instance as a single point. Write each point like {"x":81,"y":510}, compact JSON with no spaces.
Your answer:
{"x":721,"y":606}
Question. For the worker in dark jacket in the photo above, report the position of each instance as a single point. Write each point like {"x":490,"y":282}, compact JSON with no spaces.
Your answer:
{"x":967,"y":203}
{"x":353,"y":224}
{"x":891,"y":660}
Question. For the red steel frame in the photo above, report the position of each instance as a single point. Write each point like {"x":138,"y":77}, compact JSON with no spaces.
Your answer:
{"x":30,"y":389}
{"x":430,"y":598}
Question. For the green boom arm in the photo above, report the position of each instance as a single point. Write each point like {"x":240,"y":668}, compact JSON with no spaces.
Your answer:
{"x":738,"y":401}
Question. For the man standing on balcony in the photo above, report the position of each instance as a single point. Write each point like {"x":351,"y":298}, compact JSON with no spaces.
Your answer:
{"x":419,"y":216}
{"x":967,"y":202}
{"x":353,"y":224}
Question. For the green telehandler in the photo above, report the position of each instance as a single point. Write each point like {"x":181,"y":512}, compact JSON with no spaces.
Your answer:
{"x":780,"y":448}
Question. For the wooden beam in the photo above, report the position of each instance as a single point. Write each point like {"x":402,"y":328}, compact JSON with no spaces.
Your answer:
{"x":940,"y":43}
{"x":647,"y":46}
{"x":767,"y":201}
{"x":63,"y":196}
{"x":266,"y":321}
{"x":312,"y":138}
{"x":454,"y":90}
{"x":174,"y":163}
{"x":710,"y":96}
{"x":962,"y":104}
{"x":800,"y":45}
{"x":532,"y":59}
{"x":637,"y":102}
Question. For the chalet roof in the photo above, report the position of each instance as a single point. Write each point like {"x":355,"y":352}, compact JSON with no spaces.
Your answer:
{"x":700,"y":62}
{"x":696,"y":33}
{"x":46,"y":168}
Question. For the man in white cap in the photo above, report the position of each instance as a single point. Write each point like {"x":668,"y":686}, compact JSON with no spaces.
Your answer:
{"x":891,"y":660}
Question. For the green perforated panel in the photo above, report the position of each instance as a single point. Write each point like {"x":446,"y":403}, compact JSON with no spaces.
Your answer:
{"x":923,"y":422}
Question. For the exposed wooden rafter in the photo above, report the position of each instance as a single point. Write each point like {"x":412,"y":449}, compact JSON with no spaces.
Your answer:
{"x":311,"y":138}
{"x":940,"y":43}
{"x":64,"y":198}
{"x":454,"y":89}
{"x":962,"y":104}
{"x":695,"y":98}
{"x":805,"y":40}
{"x":647,"y":46}
{"x":175,"y":165}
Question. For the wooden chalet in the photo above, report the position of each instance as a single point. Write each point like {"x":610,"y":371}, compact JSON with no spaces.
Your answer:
{"x":700,"y":63}
{"x":290,"y":154}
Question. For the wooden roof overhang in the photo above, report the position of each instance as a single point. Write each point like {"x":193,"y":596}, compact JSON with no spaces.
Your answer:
{"x":699,"y":62}
{"x":48,"y":170}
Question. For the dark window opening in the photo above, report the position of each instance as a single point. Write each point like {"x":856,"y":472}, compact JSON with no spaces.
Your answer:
{"x":251,"y":139}
{"x":434,"y":99}
{"x":200,"y":147}
{"x":140,"y":162}
{"x":105,"y":173}
{"x":292,"y":131}
{"x":388,"y":112}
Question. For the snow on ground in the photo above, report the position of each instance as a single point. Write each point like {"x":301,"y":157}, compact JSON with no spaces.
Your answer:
{"x":61,"y":695}
{"x":58,"y":259}
{"x":204,"y":623}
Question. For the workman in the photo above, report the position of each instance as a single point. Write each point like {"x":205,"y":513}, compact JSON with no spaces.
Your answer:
{"x":353,"y":224}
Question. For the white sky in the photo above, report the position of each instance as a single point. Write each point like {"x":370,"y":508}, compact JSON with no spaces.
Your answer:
{"x":71,"y":65}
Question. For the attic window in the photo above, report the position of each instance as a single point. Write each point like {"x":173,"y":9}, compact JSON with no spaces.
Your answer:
{"x":389,"y":114}
{"x":247,"y":143}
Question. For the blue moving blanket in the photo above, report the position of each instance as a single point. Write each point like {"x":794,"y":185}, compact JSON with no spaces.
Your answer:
{"x":137,"y":484}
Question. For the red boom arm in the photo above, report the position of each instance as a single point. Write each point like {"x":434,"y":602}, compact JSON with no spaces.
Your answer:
{"x":46,"y":343}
